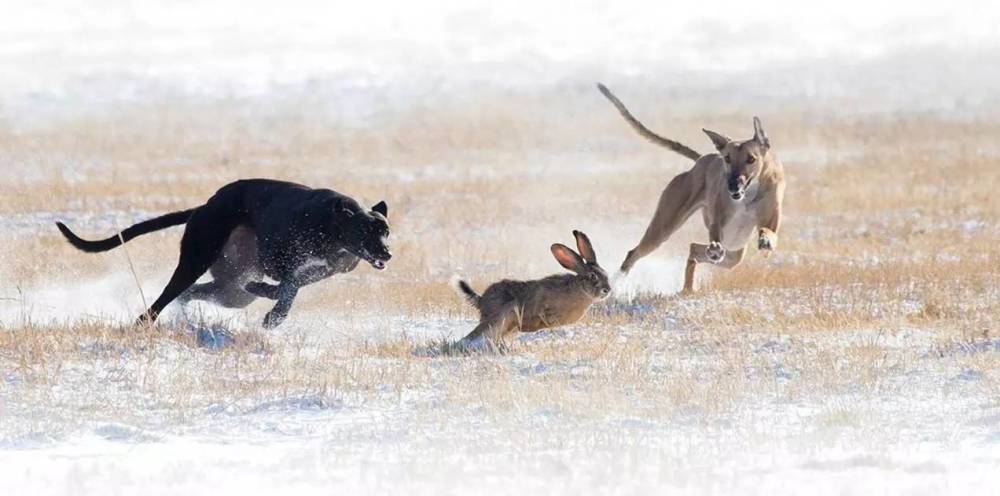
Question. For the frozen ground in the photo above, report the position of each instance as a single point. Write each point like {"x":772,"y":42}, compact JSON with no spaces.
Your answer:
{"x":924,"y":427}
{"x":640,"y":399}
{"x":312,"y":449}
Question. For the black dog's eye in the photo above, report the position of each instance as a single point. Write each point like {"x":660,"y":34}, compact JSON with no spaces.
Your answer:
{"x":750,"y":159}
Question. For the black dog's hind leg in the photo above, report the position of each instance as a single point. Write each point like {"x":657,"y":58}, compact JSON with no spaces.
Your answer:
{"x":286,"y":295}
{"x":203,"y":239}
{"x":228,"y":295}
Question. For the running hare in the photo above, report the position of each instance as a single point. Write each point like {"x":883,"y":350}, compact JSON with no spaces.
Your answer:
{"x":509,"y":306}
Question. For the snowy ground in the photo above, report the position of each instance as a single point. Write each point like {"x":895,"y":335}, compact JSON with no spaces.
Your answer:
{"x":922,"y":420}
{"x":852,"y":386}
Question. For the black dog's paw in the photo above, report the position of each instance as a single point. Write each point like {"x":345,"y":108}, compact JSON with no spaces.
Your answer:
{"x":262,"y":290}
{"x":273,"y":319}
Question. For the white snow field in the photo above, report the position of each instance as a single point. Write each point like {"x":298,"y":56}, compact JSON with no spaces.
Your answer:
{"x":862,"y":358}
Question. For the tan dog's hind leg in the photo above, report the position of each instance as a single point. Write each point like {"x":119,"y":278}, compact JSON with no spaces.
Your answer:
{"x":698,"y":254}
{"x":677,"y":202}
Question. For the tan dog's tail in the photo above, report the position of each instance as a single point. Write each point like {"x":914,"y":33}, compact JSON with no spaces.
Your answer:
{"x":644,"y":131}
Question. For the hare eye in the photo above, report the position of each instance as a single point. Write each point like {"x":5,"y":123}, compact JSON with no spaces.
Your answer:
{"x":726,"y":158}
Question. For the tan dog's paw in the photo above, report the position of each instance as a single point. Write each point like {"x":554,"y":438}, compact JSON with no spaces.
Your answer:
{"x":767,"y":240}
{"x":715,"y":252}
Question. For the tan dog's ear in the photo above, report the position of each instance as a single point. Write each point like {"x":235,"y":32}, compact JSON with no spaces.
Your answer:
{"x":567,"y":257}
{"x":758,"y":134}
{"x":719,"y":140}
{"x":584,"y":247}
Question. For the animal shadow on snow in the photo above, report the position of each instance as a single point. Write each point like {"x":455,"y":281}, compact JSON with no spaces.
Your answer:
{"x":217,"y":335}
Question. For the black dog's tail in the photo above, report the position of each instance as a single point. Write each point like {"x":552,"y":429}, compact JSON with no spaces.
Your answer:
{"x":466,"y":291}
{"x":644,"y":131}
{"x":144,"y":227}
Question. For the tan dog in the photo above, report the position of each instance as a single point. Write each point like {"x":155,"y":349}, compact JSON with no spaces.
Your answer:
{"x":739,"y":190}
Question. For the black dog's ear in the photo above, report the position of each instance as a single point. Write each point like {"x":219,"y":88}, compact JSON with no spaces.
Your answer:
{"x":381,"y":208}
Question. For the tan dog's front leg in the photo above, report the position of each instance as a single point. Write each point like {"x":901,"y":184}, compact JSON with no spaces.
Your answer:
{"x":699,"y":254}
{"x":689,"y":273}
{"x":767,"y":236}
{"x":767,"y":239}
{"x":715,"y":252}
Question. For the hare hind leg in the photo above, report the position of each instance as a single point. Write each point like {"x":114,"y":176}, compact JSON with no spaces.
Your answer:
{"x":496,"y":329}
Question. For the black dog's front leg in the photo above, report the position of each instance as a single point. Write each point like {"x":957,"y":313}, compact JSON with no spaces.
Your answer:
{"x":286,"y":295}
{"x":262,"y":290}
{"x":285,"y":292}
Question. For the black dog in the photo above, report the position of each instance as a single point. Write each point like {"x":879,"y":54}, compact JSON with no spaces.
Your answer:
{"x":253,"y":228}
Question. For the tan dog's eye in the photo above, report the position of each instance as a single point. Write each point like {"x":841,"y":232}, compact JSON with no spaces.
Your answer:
{"x":726,"y":158}
{"x":750,"y":159}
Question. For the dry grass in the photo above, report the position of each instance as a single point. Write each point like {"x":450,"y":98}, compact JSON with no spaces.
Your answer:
{"x":890,"y":231}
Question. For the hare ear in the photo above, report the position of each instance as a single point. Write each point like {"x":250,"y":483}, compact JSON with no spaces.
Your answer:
{"x":585,"y":248}
{"x":567,"y":257}
{"x":719,"y":140}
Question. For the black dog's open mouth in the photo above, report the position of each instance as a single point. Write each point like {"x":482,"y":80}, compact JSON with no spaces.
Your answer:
{"x":376,"y":262}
